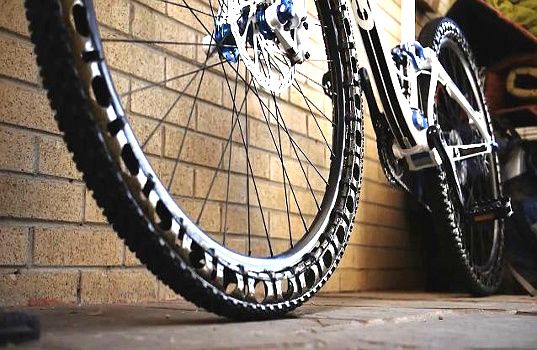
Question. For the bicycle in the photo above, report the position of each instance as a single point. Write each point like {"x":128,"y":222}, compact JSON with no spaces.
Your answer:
{"x":427,"y":108}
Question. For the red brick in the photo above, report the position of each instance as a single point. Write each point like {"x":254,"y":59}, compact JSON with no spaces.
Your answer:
{"x":55,"y":159}
{"x":92,"y":212}
{"x":17,"y":59}
{"x":14,"y":245}
{"x":13,"y":16}
{"x":17,"y":150}
{"x":25,"y":197}
{"x":37,"y":288}
{"x":26,"y":107}
{"x":126,"y":285}
{"x":77,"y":246}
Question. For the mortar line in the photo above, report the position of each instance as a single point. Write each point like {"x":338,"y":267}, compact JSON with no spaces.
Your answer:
{"x":36,"y":86}
{"x":13,"y":33}
{"x":84,"y":195}
{"x":37,"y":147}
{"x":79,"y":288}
{"x":51,"y":222}
{"x":38,"y":132}
{"x":40,"y":176}
{"x":31,"y":247}
{"x":75,"y":268}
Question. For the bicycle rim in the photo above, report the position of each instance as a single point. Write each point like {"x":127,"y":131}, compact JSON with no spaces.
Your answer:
{"x":278,"y":281}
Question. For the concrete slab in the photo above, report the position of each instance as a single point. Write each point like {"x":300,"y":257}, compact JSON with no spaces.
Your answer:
{"x":347,"y":321}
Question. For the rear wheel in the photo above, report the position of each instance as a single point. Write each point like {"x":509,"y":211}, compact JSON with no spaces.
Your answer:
{"x":237,"y":192}
{"x":473,"y":250}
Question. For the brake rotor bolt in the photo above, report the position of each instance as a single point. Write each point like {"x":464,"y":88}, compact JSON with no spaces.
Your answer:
{"x":307,"y":55}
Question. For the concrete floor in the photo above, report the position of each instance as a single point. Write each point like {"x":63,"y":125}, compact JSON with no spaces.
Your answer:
{"x":365,"y":320}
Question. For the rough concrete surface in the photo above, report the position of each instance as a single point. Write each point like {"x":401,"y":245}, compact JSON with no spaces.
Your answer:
{"x":350,"y":321}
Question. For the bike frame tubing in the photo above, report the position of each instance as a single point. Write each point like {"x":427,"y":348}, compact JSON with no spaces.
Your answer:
{"x":393,"y":104}
{"x":408,"y":25}
{"x":396,"y":108}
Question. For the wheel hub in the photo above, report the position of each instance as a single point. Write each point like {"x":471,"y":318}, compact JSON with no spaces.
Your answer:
{"x":270,"y":38}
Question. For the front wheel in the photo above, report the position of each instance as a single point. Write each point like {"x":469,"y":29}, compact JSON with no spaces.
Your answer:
{"x":472,"y":250}
{"x":227,"y":170}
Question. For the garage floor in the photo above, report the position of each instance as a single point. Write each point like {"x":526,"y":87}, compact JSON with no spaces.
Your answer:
{"x":365,"y":320}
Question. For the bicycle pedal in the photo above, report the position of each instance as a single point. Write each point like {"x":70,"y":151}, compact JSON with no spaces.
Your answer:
{"x":491,"y":210}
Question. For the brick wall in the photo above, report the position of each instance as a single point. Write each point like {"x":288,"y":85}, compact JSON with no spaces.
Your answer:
{"x":55,"y":246}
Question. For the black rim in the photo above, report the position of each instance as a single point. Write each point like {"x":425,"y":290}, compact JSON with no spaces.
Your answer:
{"x":307,"y":166}
{"x":283,"y":279}
{"x":96,"y":132}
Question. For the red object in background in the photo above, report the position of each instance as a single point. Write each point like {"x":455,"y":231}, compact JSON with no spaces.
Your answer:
{"x":500,"y":45}
{"x":501,"y":102}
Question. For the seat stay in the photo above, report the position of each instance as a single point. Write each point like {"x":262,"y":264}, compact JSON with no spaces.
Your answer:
{"x":477,"y":117}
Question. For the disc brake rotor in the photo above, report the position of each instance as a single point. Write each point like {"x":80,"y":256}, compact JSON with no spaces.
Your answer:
{"x":269,"y":38}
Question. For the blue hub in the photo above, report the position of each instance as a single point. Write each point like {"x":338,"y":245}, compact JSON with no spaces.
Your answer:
{"x":224,"y":38}
{"x":226,"y":43}
{"x":262,"y":24}
{"x":227,"y":47}
{"x":285,"y":11}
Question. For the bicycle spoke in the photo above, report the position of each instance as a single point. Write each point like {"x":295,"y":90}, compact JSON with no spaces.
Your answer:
{"x":163,"y":82}
{"x":307,"y":99}
{"x":184,"y":6}
{"x":228,"y":141}
{"x":284,"y":171}
{"x":302,"y":74}
{"x":280,"y":156}
{"x":316,"y":121}
{"x":169,"y":111}
{"x":293,"y":141}
{"x":248,"y":186}
{"x":187,"y":126}
{"x":229,"y":166}
{"x":249,"y":170}
{"x":161,"y":42}
{"x":199,"y":21}
{"x":258,"y":199}
{"x":296,"y":153}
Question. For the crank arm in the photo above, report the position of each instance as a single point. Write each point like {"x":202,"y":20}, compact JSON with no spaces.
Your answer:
{"x":462,"y":152}
{"x":482,"y":211}
{"x":492,"y":210}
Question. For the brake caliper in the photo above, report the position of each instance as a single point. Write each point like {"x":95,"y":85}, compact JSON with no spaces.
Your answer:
{"x":287,"y":19}
{"x":283,"y":21}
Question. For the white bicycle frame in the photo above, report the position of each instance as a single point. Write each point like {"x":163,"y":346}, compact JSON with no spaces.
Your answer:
{"x":400,"y":110}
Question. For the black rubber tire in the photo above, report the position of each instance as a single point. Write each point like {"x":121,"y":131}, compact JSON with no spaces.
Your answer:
{"x":86,"y":139}
{"x":456,"y":265}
